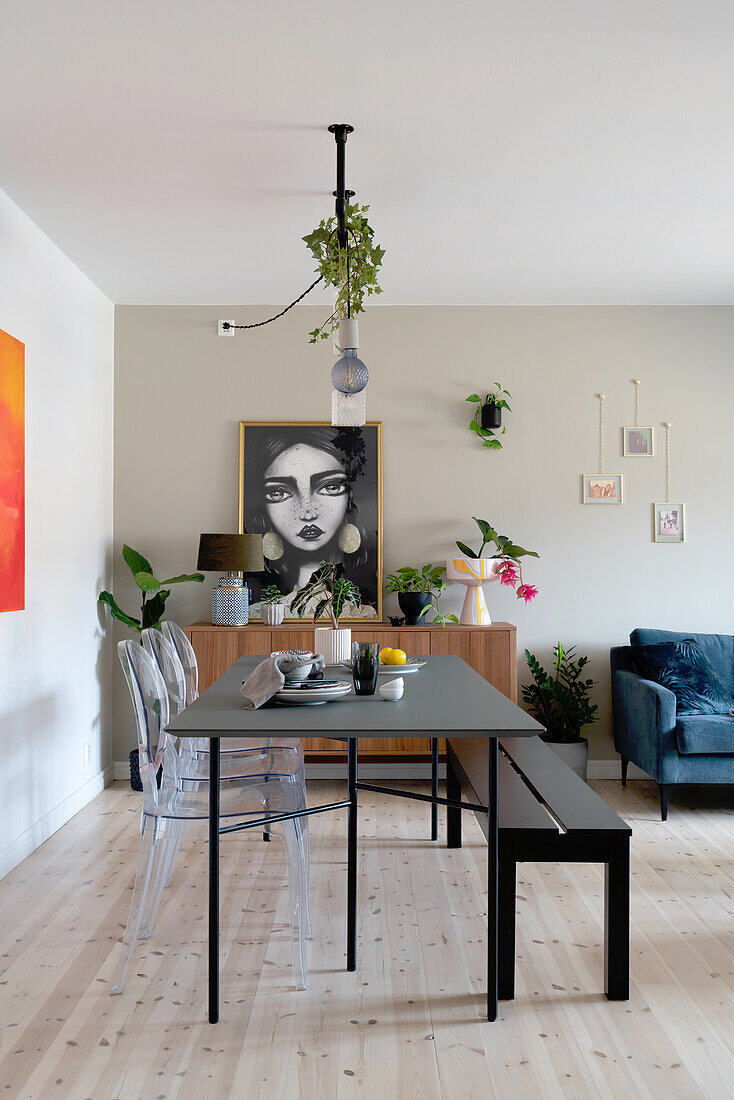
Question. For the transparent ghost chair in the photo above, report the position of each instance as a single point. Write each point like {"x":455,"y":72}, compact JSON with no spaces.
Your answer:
{"x":291,"y":747}
{"x":184,"y":650}
{"x":166,"y":807}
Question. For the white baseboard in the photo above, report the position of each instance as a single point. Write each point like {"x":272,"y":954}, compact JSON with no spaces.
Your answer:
{"x":17,"y":850}
{"x":611,"y":769}
{"x":598,"y":769}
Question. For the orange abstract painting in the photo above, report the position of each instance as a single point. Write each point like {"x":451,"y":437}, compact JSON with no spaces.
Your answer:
{"x":12,"y":473}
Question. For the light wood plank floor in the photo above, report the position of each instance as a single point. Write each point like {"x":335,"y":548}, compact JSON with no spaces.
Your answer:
{"x":409,"y":1024}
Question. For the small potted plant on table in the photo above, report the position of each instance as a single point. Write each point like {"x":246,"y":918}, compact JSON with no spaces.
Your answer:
{"x":415,"y":587}
{"x":562,"y":704}
{"x":328,"y":592}
{"x":272,"y":611}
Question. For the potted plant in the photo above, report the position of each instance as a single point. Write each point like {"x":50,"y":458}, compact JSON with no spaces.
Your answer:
{"x":414,"y":587}
{"x":352,"y":270}
{"x":271,"y":605}
{"x":487,"y":418}
{"x":154,"y":592}
{"x":328,"y":592}
{"x":475,"y":569}
{"x":562,"y":704}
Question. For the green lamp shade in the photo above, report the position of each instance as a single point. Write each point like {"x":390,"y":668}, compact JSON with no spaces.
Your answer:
{"x":231,"y":553}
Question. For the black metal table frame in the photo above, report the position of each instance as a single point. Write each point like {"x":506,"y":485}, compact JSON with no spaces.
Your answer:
{"x":351,"y":804}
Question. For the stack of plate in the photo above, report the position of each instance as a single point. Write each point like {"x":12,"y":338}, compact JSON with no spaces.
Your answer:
{"x":311,"y":693}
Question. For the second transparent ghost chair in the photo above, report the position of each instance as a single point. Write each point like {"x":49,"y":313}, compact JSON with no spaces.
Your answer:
{"x":164,"y":806}
{"x":255,"y":758}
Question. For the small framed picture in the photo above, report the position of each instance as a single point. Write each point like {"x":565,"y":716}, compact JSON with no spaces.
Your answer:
{"x":602,"y":488}
{"x":638,"y":442}
{"x":669,"y":523}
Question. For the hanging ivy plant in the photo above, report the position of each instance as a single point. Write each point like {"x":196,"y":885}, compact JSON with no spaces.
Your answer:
{"x":361,"y":261}
{"x":487,"y":418}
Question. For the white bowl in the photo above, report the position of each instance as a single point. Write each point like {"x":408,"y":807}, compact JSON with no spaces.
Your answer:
{"x":392,"y":690}
{"x":296,"y":674}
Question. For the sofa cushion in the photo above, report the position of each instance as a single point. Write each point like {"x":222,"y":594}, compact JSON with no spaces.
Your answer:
{"x":684,"y":669}
{"x":705,"y":733}
{"x":719,"y":648}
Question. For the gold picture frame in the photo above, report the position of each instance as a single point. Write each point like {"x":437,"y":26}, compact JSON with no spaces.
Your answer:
{"x":269,"y":438}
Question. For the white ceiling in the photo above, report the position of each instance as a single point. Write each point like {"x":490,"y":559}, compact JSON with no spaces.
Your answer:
{"x":521,"y":151}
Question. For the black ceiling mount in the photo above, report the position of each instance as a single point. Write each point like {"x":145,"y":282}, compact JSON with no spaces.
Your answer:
{"x":341,"y":131}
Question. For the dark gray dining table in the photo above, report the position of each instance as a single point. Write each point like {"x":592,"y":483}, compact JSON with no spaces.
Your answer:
{"x":446,"y":698}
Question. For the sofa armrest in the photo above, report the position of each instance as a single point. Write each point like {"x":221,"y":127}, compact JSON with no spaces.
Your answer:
{"x":644,"y":725}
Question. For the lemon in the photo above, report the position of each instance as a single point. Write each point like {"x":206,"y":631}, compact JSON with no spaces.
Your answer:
{"x":385,"y":655}
{"x":397,"y":657}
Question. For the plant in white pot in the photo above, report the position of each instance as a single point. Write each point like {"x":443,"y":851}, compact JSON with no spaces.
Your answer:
{"x":475,"y":569}
{"x":272,"y":610}
{"x":562,"y":704}
{"x":329,"y":593}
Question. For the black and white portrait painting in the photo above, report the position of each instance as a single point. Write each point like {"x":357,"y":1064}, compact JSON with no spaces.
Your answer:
{"x":314,"y":492}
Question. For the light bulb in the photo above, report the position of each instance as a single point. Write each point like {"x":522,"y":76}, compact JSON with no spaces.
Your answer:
{"x":349,"y":374}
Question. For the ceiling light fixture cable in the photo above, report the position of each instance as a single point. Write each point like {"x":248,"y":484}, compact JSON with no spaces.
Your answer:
{"x":258,"y":324}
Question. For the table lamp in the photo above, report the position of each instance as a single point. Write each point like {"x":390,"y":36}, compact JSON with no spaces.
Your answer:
{"x":231,"y":554}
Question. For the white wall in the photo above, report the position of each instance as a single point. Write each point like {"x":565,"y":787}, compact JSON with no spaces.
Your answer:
{"x":180,"y":391}
{"x":54,"y":655}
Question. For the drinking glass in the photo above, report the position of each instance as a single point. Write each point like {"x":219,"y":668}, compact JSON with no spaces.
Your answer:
{"x":365,"y":667}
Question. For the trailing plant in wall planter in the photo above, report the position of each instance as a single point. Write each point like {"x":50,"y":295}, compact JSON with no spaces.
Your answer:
{"x":155,"y":593}
{"x":353,"y":270}
{"x":331,"y":594}
{"x":487,"y":418}
{"x":561,"y":702}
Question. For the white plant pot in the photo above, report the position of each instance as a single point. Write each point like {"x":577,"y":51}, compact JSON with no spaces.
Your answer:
{"x":474,"y":573}
{"x":573,"y":753}
{"x":272,"y":613}
{"x":335,"y":645}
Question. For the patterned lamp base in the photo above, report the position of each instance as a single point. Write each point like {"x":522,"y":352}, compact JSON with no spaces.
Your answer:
{"x":230,"y":603}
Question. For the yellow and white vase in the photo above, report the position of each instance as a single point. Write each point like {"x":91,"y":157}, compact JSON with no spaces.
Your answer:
{"x":474,"y":573}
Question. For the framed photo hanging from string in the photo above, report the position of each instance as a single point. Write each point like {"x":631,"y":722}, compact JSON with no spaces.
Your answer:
{"x":602,"y":488}
{"x":668,"y":518}
{"x":638,"y":442}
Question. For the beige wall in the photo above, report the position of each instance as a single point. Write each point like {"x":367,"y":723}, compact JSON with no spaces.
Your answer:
{"x":181,"y":389}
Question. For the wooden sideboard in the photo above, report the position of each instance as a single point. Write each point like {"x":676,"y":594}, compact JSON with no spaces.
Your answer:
{"x":491,"y":650}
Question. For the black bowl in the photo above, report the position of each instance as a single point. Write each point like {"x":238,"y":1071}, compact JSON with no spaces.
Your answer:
{"x":397,"y":620}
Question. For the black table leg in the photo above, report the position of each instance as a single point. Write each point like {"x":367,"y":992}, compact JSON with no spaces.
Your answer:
{"x":492,"y":883}
{"x":617,"y":922}
{"x":434,"y":787}
{"x":214,"y":761}
{"x":453,"y":814}
{"x":352,"y":855}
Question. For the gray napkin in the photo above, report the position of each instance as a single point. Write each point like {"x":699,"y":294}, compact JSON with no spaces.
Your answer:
{"x":269,"y":676}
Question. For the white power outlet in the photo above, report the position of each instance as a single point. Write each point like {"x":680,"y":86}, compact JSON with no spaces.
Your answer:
{"x":86,"y":754}
{"x":222,"y":331}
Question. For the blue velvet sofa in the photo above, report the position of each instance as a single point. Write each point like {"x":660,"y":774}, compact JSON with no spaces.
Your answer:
{"x":690,"y":748}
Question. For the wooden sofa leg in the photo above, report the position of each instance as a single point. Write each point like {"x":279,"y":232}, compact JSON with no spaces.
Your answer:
{"x":453,"y":815}
{"x":664,"y":789}
{"x":617,"y":923}
{"x":625,"y":762}
{"x":506,"y":918}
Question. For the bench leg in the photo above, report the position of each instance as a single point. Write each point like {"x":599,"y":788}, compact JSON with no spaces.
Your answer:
{"x":453,"y":816}
{"x":617,"y":924}
{"x":506,"y":900}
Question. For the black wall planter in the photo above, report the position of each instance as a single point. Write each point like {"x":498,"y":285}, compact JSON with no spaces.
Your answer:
{"x":411,"y":605}
{"x":491,"y":416}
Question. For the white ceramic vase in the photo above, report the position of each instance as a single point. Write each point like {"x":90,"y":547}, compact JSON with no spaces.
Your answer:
{"x":335,"y":645}
{"x":272,"y":613}
{"x":474,"y":573}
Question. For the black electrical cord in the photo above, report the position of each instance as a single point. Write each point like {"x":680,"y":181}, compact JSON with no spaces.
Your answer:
{"x":258,"y":324}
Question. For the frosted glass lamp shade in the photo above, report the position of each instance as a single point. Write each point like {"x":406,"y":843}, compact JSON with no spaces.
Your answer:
{"x":349,"y":374}
{"x":348,"y":410}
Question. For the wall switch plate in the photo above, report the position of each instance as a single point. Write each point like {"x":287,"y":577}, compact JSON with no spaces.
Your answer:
{"x":222,"y":331}
{"x":86,"y":754}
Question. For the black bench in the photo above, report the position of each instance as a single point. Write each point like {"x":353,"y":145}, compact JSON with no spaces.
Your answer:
{"x":546,"y":815}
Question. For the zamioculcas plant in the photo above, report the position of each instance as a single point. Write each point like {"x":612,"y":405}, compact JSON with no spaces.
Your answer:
{"x":154,"y":592}
{"x":561,"y":702}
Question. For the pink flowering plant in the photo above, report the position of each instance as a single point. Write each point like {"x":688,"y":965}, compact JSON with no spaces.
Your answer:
{"x":510,"y":570}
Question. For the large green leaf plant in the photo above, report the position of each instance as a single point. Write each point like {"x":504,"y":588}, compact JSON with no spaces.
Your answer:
{"x":155,"y":593}
{"x":560,"y":702}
